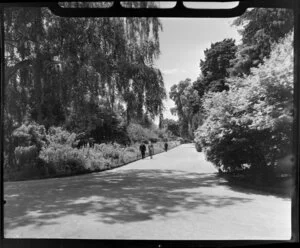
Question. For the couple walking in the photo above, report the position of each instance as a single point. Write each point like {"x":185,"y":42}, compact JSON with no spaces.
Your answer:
{"x":150,"y":149}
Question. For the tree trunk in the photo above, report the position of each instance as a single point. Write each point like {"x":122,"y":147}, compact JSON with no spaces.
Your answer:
{"x":184,"y":128}
{"x":38,"y":66}
{"x":140,"y":104}
{"x":161,"y":118}
{"x":128,"y":117}
{"x":111,"y":92}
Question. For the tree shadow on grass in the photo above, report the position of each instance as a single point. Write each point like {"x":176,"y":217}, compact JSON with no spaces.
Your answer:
{"x":112,"y":197}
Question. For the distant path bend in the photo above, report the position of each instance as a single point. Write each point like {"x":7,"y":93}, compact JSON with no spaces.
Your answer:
{"x":175,"y":195}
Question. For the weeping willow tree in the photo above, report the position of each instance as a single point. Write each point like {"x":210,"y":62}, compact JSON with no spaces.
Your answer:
{"x":82,"y":59}
{"x":86,"y":74}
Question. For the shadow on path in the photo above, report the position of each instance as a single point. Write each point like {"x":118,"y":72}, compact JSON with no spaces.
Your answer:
{"x":122,"y":197}
{"x":280,"y":190}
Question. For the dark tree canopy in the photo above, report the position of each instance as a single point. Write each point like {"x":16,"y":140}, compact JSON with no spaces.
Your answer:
{"x":172,"y":126}
{"x":91,"y":75}
{"x":214,"y":67}
{"x":187,"y":104}
{"x":260,"y":28}
{"x":83,"y":59}
{"x":217,"y":59}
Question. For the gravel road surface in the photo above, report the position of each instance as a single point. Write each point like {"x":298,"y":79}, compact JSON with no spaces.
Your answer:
{"x":176,"y":195}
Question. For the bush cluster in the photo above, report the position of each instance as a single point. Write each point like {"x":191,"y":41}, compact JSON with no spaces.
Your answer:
{"x":40,"y":153}
{"x":137,"y":133}
{"x":250,"y":126}
{"x":28,"y":139}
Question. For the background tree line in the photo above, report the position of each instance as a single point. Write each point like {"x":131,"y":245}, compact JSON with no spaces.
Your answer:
{"x":239,"y":110}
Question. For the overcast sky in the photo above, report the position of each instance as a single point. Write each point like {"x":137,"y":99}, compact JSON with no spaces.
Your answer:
{"x":182,"y":45}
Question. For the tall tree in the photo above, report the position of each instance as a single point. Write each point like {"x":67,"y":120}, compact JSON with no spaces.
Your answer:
{"x":172,"y":126}
{"x":83,"y":73}
{"x":260,"y":28}
{"x":214,"y":67}
{"x":112,"y":58}
{"x":177,"y":94}
{"x":251,"y":124}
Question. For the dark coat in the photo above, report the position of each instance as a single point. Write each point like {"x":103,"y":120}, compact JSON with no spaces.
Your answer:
{"x":142,"y":148}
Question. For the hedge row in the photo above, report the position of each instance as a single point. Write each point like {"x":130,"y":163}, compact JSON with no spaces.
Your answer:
{"x":53,"y":153}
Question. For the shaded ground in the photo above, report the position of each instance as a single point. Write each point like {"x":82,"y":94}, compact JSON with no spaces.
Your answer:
{"x":176,"y":195}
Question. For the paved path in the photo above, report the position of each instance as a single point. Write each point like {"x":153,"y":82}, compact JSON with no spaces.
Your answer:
{"x":176,"y":195}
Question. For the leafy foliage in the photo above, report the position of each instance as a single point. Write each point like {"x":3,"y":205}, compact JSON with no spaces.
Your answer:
{"x":217,"y":61}
{"x":214,"y":68}
{"x":251,"y":124}
{"x":172,"y":126}
{"x":187,"y":96}
{"x":187,"y":101}
{"x":261,"y":27}
{"x":91,"y":76}
{"x":30,"y":138}
{"x":137,"y":133}
{"x":40,"y":153}
{"x":112,"y":59}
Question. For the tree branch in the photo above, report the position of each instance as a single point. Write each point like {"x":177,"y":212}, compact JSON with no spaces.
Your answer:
{"x":10,"y":71}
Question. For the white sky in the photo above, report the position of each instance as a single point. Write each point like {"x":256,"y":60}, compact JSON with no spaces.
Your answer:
{"x":182,"y":45}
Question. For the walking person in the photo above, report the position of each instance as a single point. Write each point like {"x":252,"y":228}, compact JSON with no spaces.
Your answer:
{"x":166,"y":146}
{"x":151,"y":149}
{"x":143,"y":150}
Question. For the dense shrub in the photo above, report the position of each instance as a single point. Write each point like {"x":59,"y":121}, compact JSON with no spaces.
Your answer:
{"x":94,"y":119}
{"x":42,"y":153}
{"x":198,"y":147}
{"x":131,"y":153}
{"x":109,"y":151}
{"x":172,"y":127}
{"x":251,"y":124}
{"x":137,"y":133}
{"x":29,"y":139}
{"x":184,"y":141}
{"x":61,"y":159}
{"x":58,"y":135}
{"x":163,"y":134}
